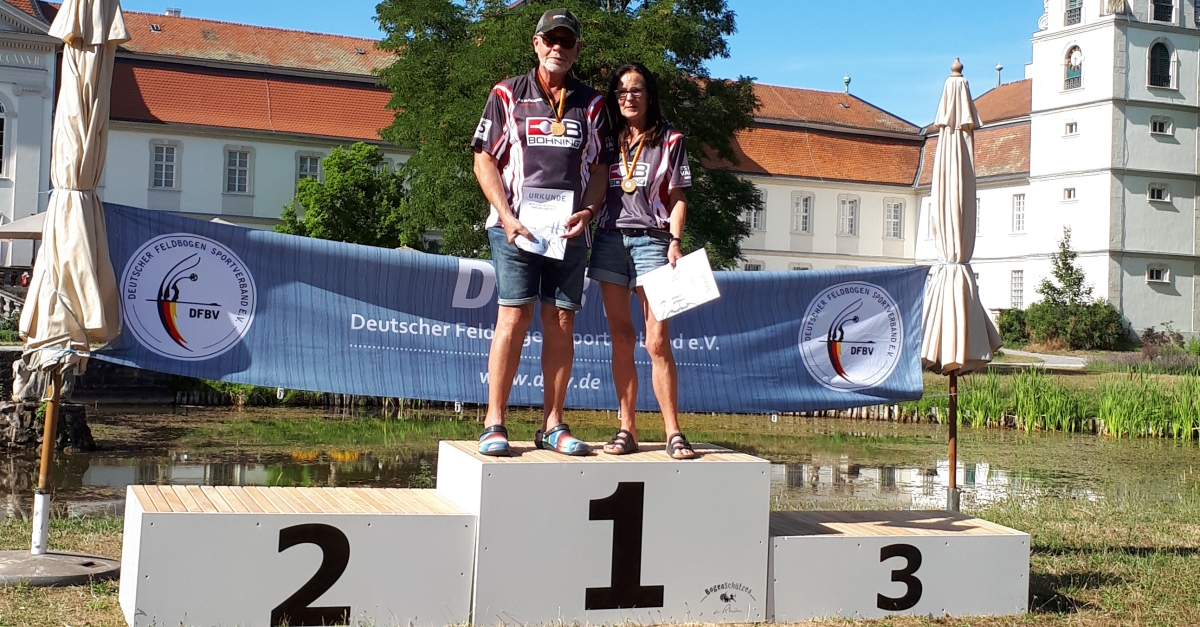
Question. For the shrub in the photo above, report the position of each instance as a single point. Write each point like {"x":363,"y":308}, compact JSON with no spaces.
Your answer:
{"x":1012,"y":327}
{"x":1091,"y":326}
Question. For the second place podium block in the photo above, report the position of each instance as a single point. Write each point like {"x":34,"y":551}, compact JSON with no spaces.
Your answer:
{"x":603,"y":539}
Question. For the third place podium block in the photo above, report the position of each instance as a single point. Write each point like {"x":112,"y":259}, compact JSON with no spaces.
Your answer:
{"x":877,"y":564}
{"x":607,"y":539}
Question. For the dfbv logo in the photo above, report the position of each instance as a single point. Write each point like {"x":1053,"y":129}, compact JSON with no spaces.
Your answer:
{"x":852,"y":336}
{"x":187,"y":297}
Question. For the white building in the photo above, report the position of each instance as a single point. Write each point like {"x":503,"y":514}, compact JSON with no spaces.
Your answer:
{"x":1111,"y":108}
{"x":208,"y":118}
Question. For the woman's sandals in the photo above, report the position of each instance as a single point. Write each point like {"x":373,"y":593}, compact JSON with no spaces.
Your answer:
{"x":623,"y":443}
{"x":678,"y":447}
{"x":559,"y":439}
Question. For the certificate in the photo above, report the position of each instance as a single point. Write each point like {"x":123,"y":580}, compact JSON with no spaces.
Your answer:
{"x":671,"y":291}
{"x":544,"y":212}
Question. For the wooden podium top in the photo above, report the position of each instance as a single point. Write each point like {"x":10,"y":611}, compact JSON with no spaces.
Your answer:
{"x":523,"y":452}
{"x":906,"y":523}
{"x":196,"y":499}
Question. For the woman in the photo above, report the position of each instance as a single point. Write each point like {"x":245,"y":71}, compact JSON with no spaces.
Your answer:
{"x":639,"y":230}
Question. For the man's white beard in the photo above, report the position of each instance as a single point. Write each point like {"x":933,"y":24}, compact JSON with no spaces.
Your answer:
{"x":555,"y":66}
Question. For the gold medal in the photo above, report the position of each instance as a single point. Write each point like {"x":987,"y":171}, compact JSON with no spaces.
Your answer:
{"x":628,"y":185}
{"x":558,"y":129}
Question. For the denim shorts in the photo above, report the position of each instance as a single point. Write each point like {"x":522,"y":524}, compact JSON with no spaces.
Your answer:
{"x":621,"y":259}
{"x":523,"y":277}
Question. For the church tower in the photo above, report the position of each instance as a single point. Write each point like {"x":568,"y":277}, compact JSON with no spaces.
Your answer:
{"x":1113,"y":151}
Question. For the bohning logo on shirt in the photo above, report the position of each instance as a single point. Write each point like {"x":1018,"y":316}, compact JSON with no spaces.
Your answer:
{"x":616,"y":174}
{"x":538,"y":133}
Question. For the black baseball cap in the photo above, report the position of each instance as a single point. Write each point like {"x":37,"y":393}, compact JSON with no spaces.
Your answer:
{"x":558,"y":18}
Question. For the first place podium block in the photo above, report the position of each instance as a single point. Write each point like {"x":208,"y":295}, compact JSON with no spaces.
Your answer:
{"x":875,"y":564}
{"x":267,"y":557}
{"x":608,"y":539}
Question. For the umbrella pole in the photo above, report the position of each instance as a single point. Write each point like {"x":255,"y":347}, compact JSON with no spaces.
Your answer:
{"x":41,"y":498}
{"x":952,"y":490}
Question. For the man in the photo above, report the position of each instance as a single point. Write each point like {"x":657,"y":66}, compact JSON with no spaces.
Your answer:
{"x":542,"y":135}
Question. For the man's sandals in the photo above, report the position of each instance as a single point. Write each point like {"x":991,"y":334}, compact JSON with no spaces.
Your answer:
{"x":494,"y":441}
{"x":679,"y":448}
{"x":623,"y":443}
{"x":559,"y":439}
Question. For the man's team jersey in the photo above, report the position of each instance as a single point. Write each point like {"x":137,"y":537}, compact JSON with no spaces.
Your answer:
{"x":659,"y":170}
{"x":516,"y":129}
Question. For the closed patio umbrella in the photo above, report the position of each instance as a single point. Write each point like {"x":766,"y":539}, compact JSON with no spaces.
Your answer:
{"x":958,"y":335}
{"x":73,"y":300}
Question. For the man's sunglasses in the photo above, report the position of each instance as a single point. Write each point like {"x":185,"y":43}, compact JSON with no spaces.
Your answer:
{"x":554,"y":40}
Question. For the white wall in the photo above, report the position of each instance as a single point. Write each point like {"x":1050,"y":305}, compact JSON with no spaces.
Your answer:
{"x":201,"y":169}
{"x":778,"y":248}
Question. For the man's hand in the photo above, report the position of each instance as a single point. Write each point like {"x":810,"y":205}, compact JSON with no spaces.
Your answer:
{"x":513,"y":228}
{"x":578,"y":223}
{"x":674,"y":252}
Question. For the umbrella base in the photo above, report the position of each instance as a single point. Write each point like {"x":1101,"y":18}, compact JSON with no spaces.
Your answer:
{"x":55,"y":569}
{"x":952,"y":495}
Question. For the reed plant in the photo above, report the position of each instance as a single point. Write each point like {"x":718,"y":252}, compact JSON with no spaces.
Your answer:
{"x":983,"y":400}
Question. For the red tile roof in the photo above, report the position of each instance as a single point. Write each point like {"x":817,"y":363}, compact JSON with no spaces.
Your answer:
{"x":1002,"y":151}
{"x":28,"y":6}
{"x":826,"y":107}
{"x":241,"y":43}
{"x":189,"y":95}
{"x":824,"y":155}
{"x":1010,"y":100}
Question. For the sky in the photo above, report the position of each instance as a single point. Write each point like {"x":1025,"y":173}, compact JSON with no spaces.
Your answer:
{"x":897,"y":54}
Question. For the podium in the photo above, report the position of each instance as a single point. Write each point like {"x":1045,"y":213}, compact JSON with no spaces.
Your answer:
{"x":609,"y":539}
{"x":199,"y":555}
{"x":876,"y":564}
{"x":541,"y":538}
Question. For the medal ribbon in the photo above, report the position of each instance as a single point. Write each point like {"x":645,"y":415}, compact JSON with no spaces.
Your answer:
{"x":558,"y":113}
{"x":629,"y":168}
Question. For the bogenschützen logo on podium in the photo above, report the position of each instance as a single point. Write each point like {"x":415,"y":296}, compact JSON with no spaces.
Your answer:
{"x":852,"y":336}
{"x":187,"y":297}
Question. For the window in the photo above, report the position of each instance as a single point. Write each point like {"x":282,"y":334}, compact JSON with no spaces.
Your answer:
{"x":893,"y":219}
{"x":237,"y":172}
{"x":1159,"y":192}
{"x":3,"y":119}
{"x":1160,"y":65}
{"x":1162,"y":125}
{"x":1069,"y":193}
{"x":1074,"y":14}
{"x":164,"y":167}
{"x":1164,"y":11}
{"x":1017,"y":289}
{"x":1072,"y":128}
{"x":848,"y":216}
{"x":1074,"y":69}
{"x":752,"y":266}
{"x":753,"y":219}
{"x":309,"y":168}
{"x":1018,"y":213}
{"x":1158,"y":274}
{"x":802,"y":209}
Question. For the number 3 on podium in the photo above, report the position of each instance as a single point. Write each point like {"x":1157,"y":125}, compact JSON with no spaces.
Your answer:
{"x":903,"y":575}
{"x":625,"y":590}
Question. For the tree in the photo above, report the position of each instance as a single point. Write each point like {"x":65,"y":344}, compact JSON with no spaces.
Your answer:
{"x":449,"y":55}
{"x":358,"y":202}
{"x":1072,"y":288}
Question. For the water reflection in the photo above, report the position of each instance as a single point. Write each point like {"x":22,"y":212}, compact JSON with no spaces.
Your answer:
{"x":896,"y":487}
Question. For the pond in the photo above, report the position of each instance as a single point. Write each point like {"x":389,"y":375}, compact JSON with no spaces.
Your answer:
{"x":817,"y":463}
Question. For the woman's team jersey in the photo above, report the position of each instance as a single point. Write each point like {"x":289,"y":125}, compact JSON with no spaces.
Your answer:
{"x":659,"y":170}
{"x":516,"y":129}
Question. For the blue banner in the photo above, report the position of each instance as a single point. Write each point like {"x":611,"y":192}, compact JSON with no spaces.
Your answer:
{"x":221,"y":302}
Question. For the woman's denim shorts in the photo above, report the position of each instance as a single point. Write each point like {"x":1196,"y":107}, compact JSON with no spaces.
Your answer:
{"x":621,"y":259}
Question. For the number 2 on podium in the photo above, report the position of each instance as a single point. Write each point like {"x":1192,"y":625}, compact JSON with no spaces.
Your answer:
{"x":625,"y":590}
{"x":335,"y":552}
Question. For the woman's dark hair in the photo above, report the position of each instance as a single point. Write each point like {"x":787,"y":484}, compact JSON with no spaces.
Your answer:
{"x":655,"y":124}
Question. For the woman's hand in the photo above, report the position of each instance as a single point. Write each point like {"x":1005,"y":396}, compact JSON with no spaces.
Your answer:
{"x":674,"y":252}
{"x":578,"y":223}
